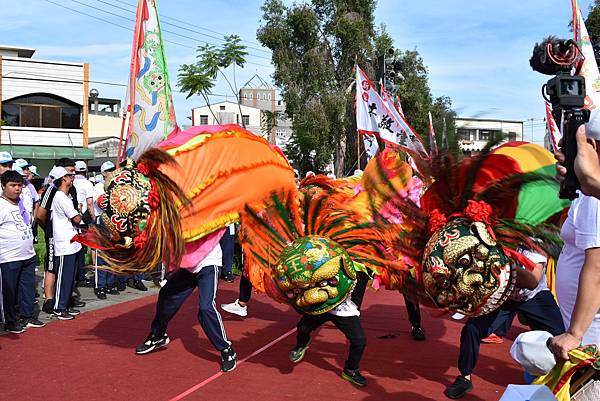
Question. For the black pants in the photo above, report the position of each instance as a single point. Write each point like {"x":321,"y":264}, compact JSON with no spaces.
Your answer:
{"x":414,"y":312}
{"x":541,"y":312}
{"x":227,"y":243}
{"x":349,"y":325}
{"x":245,"y":289}
{"x":179,"y":286}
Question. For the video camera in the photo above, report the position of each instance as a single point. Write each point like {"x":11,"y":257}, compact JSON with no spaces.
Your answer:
{"x":566,"y":94}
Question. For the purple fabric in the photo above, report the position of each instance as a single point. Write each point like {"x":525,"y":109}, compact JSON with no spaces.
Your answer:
{"x":24,"y":213}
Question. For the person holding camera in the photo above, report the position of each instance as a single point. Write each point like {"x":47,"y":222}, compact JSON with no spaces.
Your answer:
{"x":578,"y":269}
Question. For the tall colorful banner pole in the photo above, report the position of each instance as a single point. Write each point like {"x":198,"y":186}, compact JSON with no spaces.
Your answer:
{"x":149,"y":102}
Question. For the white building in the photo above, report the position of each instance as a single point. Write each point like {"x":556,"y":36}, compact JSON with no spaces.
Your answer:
{"x":258,"y":93}
{"x":43,"y":106}
{"x":229,"y":113}
{"x":474,"y":133}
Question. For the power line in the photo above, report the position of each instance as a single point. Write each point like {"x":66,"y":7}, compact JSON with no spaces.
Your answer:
{"x":164,"y":30}
{"x":163,"y":17}
{"x":130,"y":29}
{"x":199,"y":27}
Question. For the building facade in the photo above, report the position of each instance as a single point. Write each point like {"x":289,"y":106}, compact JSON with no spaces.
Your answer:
{"x":258,"y":93}
{"x":229,"y":113}
{"x":474,"y":133}
{"x":43,"y":108}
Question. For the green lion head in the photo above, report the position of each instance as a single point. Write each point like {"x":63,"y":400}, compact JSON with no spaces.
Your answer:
{"x":314,"y":274}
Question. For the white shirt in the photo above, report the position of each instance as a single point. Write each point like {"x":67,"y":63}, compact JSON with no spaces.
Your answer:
{"x":27,"y":200}
{"x":16,"y":237}
{"x":580,"y":231}
{"x":523,"y":294}
{"x":347,"y":308}
{"x":62,"y":227}
{"x":214,"y":258}
{"x":85,"y":190}
{"x":98,"y":190}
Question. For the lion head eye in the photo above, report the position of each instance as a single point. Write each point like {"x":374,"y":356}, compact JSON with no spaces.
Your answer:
{"x":323,"y":283}
{"x":333,"y":281}
{"x":464,"y":260}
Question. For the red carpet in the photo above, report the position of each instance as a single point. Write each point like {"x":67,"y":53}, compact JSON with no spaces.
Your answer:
{"x":92,"y":358}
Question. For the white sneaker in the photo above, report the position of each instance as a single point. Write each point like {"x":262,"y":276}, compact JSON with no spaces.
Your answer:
{"x":235,"y":308}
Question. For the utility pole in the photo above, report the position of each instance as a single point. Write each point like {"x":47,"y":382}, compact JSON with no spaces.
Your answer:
{"x":531,"y":121}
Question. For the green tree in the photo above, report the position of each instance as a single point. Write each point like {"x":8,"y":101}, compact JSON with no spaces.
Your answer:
{"x":592,"y":21}
{"x":315,"y":47}
{"x":199,"y":78}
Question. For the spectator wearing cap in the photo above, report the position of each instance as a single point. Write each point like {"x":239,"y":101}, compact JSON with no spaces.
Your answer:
{"x":44,"y":217}
{"x":17,"y":257}
{"x":104,"y":280}
{"x":30,"y":197}
{"x":6,"y":162}
{"x":85,"y":201}
{"x":65,"y":219}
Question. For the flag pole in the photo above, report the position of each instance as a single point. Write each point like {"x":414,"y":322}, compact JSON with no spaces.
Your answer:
{"x":121,"y":144}
{"x":358,"y":148}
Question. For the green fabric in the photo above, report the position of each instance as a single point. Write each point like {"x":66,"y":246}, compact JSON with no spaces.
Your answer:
{"x":48,"y":152}
{"x":539,"y":200}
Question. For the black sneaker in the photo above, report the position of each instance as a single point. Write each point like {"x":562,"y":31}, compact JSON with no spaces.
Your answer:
{"x":113,"y":290}
{"x":75,"y":303}
{"x":354,"y":377}
{"x":417,"y":333}
{"x":48,"y":306}
{"x":228,"y":359}
{"x":14,"y":327}
{"x":138,"y":285}
{"x":73,"y":312}
{"x":229,"y":277}
{"x":151,"y":343}
{"x":121,"y":287}
{"x":62,"y":315}
{"x":297,"y":353}
{"x":459,"y":388}
{"x":100,"y":293}
{"x":31,"y":322}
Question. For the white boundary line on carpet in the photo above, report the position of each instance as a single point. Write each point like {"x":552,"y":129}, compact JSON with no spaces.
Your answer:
{"x":217,"y":375}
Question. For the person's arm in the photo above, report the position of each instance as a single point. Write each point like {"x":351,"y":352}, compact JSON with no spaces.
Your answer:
{"x":90,"y":207}
{"x":586,"y":306}
{"x":41,"y":215}
{"x":530,"y":279}
{"x":587,"y":164}
{"x":76,"y":220}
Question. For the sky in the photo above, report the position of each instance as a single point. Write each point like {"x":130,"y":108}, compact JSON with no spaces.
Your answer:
{"x":477,"y":51}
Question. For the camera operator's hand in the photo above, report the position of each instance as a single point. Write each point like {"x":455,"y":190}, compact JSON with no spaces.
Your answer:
{"x":562,"y":344}
{"x":587,"y":164}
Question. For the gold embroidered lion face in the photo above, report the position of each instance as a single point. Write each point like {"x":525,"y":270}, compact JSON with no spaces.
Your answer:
{"x":464,"y":269}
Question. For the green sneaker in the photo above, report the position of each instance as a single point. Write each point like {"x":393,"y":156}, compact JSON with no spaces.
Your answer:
{"x":354,"y":377}
{"x":297,"y":353}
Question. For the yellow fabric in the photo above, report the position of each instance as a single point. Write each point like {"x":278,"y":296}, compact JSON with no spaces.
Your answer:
{"x":551,"y":276}
{"x":530,"y":157}
{"x":563,"y":370}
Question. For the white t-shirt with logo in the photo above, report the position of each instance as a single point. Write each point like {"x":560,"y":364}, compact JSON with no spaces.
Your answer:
{"x":62,"y":227}
{"x":85,"y":190}
{"x":580,"y":231}
{"x":16,"y":237}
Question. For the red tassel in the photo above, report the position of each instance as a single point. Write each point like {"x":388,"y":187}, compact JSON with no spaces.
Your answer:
{"x":519,"y":257}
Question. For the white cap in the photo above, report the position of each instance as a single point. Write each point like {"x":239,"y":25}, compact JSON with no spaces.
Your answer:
{"x":80,"y":166}
{"x":99,"y":178}
{"x":6,"y":157}
{"x":18,"y":169}
{"x":309,"y":174}
{"x":22,"y":163}
{"x":107,"y":165}
{"x":58,"y":172}
{"x":531,"y":352}
{"x":33,"y":170}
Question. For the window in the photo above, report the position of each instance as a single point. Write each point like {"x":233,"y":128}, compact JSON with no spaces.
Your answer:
{"x":465,"y":134}
{"x":246,"y":120}
{"x":269,"y":96}
{"x":41,"y":110}
{"x":203,"y":119}
{"x":488,"y":135}
{"x":512,"y":136}
{"x":221,"y":107}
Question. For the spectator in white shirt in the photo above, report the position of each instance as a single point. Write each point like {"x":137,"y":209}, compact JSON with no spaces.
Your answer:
{"x":65,"y":219}
{"x":17,"y":257}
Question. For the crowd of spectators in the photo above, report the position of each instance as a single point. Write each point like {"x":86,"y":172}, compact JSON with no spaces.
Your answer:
{"x":59,"y":206}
